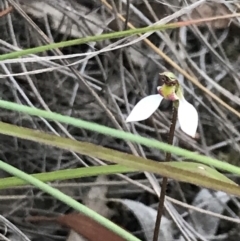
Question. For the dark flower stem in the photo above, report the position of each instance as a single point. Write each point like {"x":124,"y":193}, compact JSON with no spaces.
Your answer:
{"x":165,"y":179}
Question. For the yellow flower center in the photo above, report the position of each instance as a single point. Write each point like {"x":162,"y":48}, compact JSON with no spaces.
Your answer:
{"x":168,"y":92}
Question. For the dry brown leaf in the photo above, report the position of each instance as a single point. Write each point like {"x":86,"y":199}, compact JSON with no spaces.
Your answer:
{"x":73,"y":236}
{"x":83,"y":225}
{"x":88,"y":228}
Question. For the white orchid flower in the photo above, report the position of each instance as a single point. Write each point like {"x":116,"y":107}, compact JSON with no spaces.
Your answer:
{"x":170,"y":90}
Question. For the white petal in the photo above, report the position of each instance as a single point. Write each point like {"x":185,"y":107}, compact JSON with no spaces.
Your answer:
{"x":188,"y":117}
{"x":145,"y":108}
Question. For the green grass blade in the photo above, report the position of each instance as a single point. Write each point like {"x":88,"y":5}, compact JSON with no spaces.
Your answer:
{"x":113,"y":35}
{"x":65,"y":175}
{"x":134,"y":162}
{"x":116,"y":133}
{"x":85,"y":40}
{"x":202,"y":169}
{"x":68,"y":200}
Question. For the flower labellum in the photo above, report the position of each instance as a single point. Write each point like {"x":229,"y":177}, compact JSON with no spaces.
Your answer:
{"x":170,"y":90}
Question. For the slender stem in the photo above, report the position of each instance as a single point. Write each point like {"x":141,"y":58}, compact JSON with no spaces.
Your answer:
{"x":165,"y":179}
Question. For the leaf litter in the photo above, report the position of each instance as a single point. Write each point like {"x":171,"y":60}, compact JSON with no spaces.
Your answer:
{"x":211,"y":49}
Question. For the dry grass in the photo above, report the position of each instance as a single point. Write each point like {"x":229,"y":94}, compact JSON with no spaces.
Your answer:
{"x":119,"y":78}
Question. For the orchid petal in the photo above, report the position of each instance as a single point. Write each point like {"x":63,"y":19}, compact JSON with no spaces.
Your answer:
{"x":188,"y":117}
{"x":145,"y":108}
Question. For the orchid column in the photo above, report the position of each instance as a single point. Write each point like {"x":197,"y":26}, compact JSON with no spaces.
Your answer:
{"x":182,"y":110}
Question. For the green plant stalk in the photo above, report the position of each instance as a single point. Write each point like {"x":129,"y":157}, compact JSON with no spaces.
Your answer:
{"x":88,"y":39}
{"x":66,"y":174}
{"x":118,"y":134}
{"x":181,"y":171}
{"x":68,"y":200}
{"x":113,"y":35}
{"x":60,"y":175}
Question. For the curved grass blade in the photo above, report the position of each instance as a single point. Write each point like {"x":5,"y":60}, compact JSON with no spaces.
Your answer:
{"x":114,"y":35}
{"x":202,"y":169}
{"x":121,"y":158}
{"x":110,"y":169}
{"x":114,"y":133}
{"x":68,"y":200}
{"x":66,"y":174}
